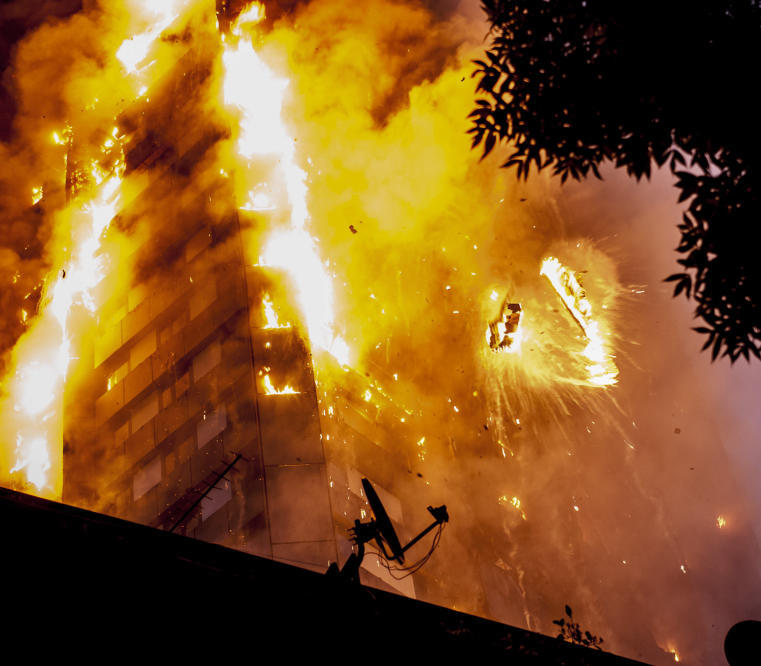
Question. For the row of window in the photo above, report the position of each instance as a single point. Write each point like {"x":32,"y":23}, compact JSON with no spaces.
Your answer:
{"x":203,"y":363}
{"x":137,"y":295}
{"x":148,"y":343}
{"x":211,"y":425}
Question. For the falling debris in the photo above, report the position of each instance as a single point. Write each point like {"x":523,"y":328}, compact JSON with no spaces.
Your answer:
{"x":601,"y":369}
{"x":504,"y":332}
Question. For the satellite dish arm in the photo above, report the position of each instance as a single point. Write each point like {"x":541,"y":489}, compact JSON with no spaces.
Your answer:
{"x":382,"y":531}
{"x":382,"y":545}
{"x":440,"y":516}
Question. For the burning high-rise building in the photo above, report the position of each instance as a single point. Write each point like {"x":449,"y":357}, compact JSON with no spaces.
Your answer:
{"x":194,"y":406}
{"x":197,"y":410}
{"x":214,"y":207}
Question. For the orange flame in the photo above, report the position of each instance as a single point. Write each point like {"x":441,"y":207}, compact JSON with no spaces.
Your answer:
{"x":43,"y":355}
{"x":269,"y":389}
{"x":41,"y":358}
{"x":270,"y":316}
{"x":257,"y":95}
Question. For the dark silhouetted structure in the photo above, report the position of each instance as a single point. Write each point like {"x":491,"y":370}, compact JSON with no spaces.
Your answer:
{"x":93,"y":581}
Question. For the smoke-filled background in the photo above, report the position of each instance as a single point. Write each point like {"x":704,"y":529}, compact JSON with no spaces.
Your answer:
{"x":636,"y":504}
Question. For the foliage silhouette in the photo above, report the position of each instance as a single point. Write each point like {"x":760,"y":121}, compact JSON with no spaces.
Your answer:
{"x":571,"y":631}
{"x":569,"y":84}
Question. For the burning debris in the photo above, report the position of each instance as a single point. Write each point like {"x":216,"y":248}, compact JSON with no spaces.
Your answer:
{"x":504,"y":333}
{"x":568,"y":287}
{"x":269,"y":389}
{"x":601,"y":369}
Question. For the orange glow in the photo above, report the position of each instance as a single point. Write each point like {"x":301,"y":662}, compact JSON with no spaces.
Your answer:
{"x":159,"y":14}
{"x":270,"y":316}
{"x":256,"y":94}
{"x":269,"y":389}
{"x":338,"y":137}
{"x":33,"y":456}
{"x":601,"y":368}
{"x":255,"y":13}
{"x":36,"y":383}
{"x":42,"y":357}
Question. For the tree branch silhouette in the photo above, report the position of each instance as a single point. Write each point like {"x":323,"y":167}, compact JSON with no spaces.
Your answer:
{"x":570,"y":84}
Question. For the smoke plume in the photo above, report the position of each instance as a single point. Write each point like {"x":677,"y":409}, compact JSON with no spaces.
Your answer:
{"x":620,"y":501}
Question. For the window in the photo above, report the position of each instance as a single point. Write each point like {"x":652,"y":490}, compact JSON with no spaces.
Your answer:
{"x":145,"y":412}
{"x":208,"y":359}
{"x":109,"y":339}
{"x":201,"y":240}
{"x":216,"y":498}
{"x":148,"y":477}
{"x":182,"y":385}
{"x":121,"y":434}
{"x":165,"y":336}
{"x":136,"y":296}
{"x":203,"y":297}
{"x":142,"y":350}
{"x":119,"y":374}
{"x":179,"y":323}
{"x":212,"y":424}
{"x":115,"y":318}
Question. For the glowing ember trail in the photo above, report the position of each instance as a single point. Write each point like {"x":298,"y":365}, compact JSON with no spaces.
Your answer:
{"x":257,"y":94}
{"x":601,"y":368}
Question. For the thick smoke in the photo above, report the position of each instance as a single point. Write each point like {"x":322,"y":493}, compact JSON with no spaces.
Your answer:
{"x":621,"y":489}
{"x":607,"y":500}
{"x":57,"y":65}
{"x":27,"y":116}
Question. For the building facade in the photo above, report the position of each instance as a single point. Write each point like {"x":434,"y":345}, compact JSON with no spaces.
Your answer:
{"x":197,"y":410}
{"x":178,"y":421}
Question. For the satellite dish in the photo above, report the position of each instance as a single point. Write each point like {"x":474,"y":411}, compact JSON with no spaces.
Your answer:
{"x":382,"y":531}
{"x":383,"y":524}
